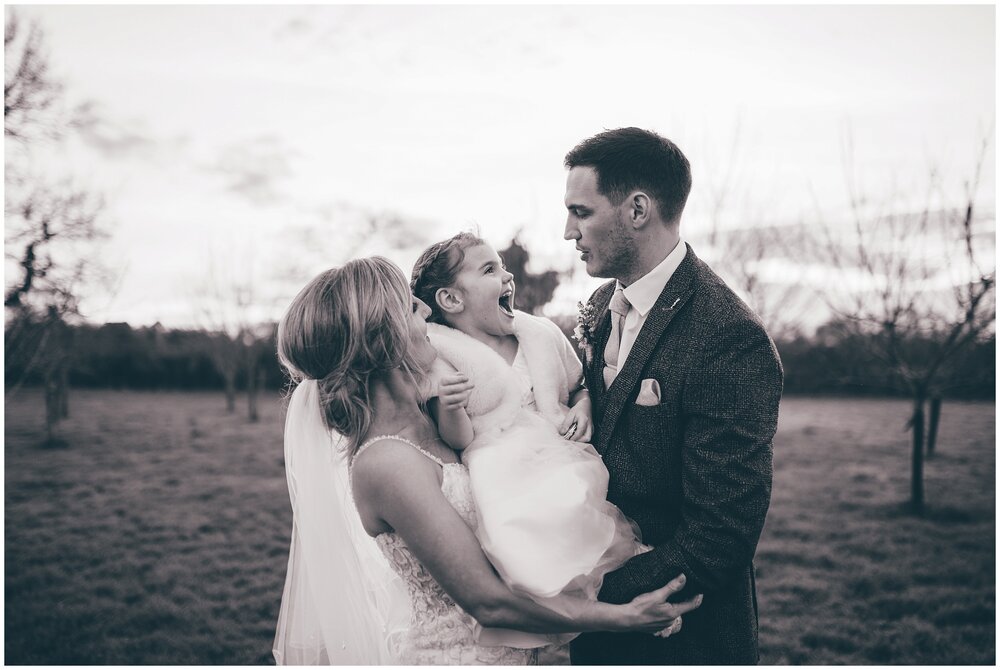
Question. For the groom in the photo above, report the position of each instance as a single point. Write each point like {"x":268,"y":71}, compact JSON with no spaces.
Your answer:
{"x":685,"y":385}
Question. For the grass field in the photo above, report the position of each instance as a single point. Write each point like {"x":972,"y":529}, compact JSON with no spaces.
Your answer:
{"x":159,"y":535}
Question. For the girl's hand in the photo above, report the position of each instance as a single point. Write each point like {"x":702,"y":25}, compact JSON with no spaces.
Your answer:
{"x":577,"y":426}
{"x":653,"y":614}
{"x":454,"y":391}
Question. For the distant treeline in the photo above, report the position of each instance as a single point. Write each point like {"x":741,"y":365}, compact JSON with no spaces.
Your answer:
{"x":115,"y":355}
{"x":118,"y":356}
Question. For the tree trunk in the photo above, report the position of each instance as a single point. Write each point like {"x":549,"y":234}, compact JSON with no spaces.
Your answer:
{"x":917,"y":477}
{"x":230,"y":382}
{"x":52,"y":405}
{"x":63,"y":382}
{"x":252,"y":385}
{"x":932,"y":430}
{"x":64,"y":342}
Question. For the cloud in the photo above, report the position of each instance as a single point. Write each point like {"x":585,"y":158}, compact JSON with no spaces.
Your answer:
{"x":294,"y":29}
{"x":254,"y":168}
{"x":114,"y":139}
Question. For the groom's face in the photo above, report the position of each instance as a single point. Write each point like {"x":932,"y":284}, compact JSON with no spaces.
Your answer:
{"x":596,"y":226}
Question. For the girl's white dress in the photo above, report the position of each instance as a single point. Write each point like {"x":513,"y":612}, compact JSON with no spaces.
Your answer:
{"x":543,"y":517}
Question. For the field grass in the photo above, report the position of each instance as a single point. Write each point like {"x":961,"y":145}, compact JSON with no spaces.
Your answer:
{"x":845,"y":575}
{"x":159,"y":534}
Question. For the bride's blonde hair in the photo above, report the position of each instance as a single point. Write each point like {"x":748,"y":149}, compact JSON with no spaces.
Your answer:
{"x":346,"y":328}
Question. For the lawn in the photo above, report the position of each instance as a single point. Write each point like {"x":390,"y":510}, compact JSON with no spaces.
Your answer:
{"x":159,"y":535}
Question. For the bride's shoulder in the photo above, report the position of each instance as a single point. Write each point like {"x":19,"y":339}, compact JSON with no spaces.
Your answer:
{"x":388,"y":464}
{"x":390,"y":473}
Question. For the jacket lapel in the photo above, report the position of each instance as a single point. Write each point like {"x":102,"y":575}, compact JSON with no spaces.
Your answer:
{"x":672,"y":299}
{"x":602,"y":331}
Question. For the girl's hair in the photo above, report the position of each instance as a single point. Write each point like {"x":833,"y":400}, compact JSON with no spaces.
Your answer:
{"x":346,"y":328}
{"x":437,"y":268}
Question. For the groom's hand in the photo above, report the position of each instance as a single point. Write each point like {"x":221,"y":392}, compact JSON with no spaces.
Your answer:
{"x":577,"y":426}
{"x":454,"y":391}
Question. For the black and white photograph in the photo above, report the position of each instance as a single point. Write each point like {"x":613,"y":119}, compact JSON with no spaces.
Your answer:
{"x":571,"y":334}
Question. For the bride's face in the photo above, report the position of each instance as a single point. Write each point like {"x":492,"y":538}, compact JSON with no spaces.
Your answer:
{"x":422,"y":350}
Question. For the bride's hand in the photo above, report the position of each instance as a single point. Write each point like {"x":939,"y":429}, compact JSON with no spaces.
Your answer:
{"x":653,"y":614}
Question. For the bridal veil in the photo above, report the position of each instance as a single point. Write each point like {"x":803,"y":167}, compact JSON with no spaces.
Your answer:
{"x":342,"y":604}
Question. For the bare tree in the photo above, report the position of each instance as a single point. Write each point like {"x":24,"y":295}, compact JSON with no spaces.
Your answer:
{"x":919,"y":286}
{"x":760,"y":262}
{"x":229,"y":305}
{"x":31,"y":94}
{"x":50,"y":226}
{"x":750,"y":247}
{"x":236,"y":297}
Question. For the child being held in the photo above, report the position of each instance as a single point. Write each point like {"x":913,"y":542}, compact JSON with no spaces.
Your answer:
{"x":509,"y":395}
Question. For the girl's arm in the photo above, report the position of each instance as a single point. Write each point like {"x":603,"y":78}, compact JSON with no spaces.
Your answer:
{"x":403,"y":488}
{"x":579,"y":395}
{"x":447,"y":407}
{"x":577,"y":424}
{"x":453,"y":422}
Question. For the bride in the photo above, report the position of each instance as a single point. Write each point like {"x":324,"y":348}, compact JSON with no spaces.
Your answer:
{"x":384,"y":566}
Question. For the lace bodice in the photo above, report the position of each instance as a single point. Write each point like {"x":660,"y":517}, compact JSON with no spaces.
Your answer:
{"x":441,"y":632}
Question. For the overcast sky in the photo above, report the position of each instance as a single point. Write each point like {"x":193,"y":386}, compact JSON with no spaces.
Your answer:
{"x":238,"y":136}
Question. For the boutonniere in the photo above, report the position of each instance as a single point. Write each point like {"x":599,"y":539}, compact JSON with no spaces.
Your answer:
{"x":584,"y":331}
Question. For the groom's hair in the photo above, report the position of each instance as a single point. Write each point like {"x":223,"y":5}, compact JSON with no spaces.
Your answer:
{"x":629,"y":159}
{"x":438,"y":267}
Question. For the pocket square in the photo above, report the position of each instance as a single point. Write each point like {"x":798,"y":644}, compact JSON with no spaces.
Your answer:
{"x":649,"y":393}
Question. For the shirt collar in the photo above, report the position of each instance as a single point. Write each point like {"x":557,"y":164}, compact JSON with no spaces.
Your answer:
{"x":643,"y":292}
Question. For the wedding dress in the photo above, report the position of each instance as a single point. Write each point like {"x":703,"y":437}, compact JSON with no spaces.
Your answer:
{"x":350,"y":599}
{"x":440,"y":632}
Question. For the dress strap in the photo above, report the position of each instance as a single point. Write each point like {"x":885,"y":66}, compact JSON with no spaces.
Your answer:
{"x":399,"y":438}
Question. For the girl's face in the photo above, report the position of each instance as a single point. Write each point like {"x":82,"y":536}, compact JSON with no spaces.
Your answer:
{"x":420,"y":346}
{"x":487,"y":291}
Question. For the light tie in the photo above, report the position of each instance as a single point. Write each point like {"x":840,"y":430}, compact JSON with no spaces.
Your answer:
{"x":619,"y":308}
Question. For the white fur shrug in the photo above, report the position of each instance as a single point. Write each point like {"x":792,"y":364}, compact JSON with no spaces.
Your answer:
{"x":554,"y":368}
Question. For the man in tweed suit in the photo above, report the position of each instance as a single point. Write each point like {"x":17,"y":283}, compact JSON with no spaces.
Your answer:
{"x":685,"y":384}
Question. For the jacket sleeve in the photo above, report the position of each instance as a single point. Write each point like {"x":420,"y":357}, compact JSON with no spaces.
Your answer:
{"x":730,"y":410}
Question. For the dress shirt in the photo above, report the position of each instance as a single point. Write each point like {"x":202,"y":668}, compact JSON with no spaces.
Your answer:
{"x":642,"y":295}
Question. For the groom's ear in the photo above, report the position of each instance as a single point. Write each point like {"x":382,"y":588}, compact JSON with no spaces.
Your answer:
{"x":449,"y":300}
{"x":640,"y":209}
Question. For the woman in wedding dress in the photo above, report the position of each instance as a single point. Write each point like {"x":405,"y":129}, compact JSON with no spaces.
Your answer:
{"x":356,"y":341}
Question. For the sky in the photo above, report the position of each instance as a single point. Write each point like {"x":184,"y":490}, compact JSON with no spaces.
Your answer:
{"x":252,"y":143}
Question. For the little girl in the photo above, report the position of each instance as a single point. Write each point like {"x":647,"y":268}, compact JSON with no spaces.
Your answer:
{"x":509,"y":395}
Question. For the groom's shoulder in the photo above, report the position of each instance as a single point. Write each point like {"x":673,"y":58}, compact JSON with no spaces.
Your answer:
{"x":714,"y":299}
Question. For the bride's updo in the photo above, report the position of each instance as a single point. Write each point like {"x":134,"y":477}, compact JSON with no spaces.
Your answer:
{"x":347,"y":327}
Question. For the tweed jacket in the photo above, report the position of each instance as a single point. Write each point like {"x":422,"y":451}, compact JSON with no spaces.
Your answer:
{"x":694,"y":471}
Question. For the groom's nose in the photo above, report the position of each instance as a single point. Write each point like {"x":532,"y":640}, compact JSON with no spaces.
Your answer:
{"x":571,"y":232}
